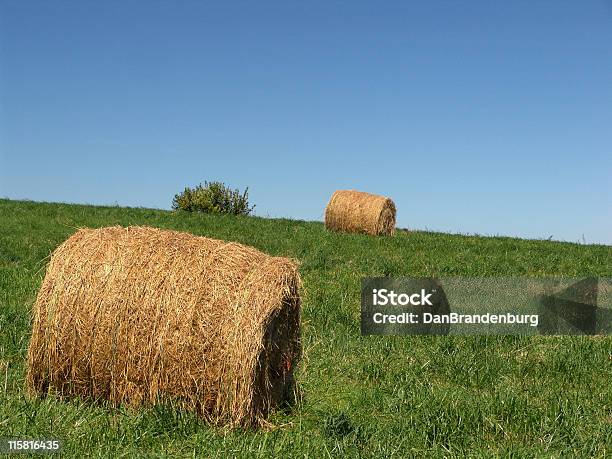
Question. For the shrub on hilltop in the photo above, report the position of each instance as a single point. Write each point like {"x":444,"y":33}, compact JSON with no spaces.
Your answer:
{"x":213,"y":198}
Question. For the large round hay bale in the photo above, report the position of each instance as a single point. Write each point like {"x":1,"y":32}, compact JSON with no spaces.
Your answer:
{"x":358,"y":212}
{"x":137,"y":315}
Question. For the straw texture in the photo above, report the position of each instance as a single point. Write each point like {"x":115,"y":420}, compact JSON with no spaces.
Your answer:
{"x":134,"y":315}
{"x":358,"y":212}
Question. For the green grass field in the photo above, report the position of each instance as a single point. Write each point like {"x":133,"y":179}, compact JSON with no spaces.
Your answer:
{"x":360,"y":396}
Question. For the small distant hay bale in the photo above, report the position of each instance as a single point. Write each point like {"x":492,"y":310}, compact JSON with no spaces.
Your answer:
{"x":137,"y":315}
{"x":358,"y":212}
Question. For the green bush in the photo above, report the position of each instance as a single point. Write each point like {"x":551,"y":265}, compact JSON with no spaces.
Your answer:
{"x":213,"y":198}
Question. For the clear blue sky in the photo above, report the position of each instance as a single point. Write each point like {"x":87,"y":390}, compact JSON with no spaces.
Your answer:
{"x":482,"y":117}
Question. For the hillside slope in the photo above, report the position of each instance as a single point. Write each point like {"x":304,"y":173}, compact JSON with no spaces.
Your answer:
{"x":362,"y":396}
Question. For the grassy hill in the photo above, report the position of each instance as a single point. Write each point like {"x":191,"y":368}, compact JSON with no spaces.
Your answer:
{"x":361,"y":396}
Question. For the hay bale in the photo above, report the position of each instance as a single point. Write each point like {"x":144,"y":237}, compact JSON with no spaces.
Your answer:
{"x":358,"y":212}
{"x":134,"y":315}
